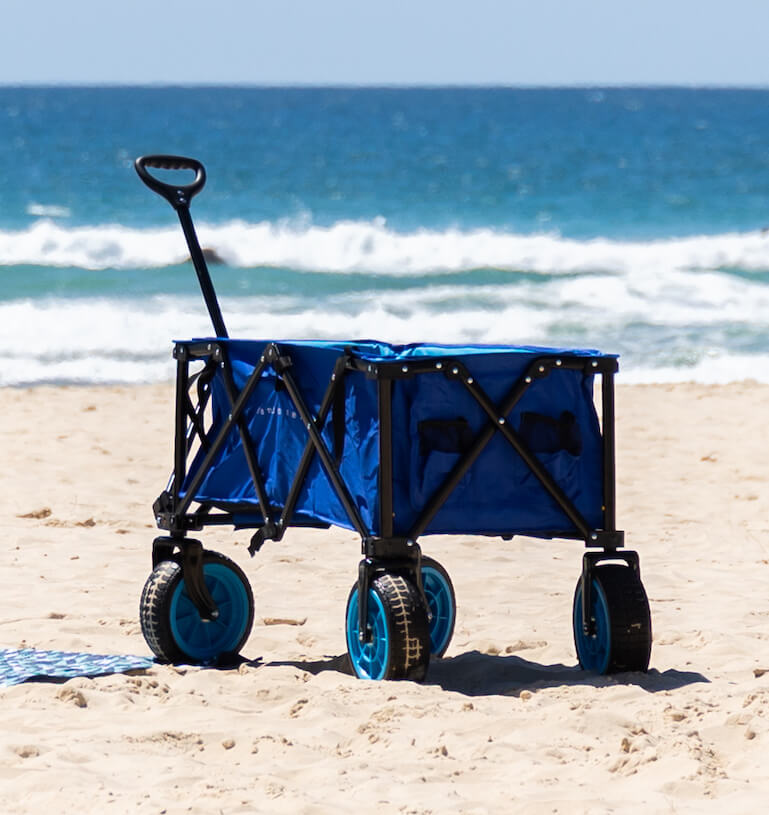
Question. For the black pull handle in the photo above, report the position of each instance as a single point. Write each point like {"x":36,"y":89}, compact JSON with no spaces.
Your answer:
{"x":178,"y":195}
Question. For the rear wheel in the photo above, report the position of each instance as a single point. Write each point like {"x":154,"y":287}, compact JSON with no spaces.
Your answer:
{"x":442,"y":605}
{"x":621,"y":638}
{"x":398,"y":645}
{"x":172,"y":625}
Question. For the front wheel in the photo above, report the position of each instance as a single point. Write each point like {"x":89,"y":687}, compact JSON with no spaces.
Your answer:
{"x":621,"y":638}
{"x":172,"y":625}
{"x":398,"y":641}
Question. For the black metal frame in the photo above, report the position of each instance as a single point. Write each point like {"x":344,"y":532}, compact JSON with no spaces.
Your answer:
{"x":173,"y":510}
{"x":383,"y":552}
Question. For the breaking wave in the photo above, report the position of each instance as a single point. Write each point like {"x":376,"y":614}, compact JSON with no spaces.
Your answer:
{"x":372,"y":247}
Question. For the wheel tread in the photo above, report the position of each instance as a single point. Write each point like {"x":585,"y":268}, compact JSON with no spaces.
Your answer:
{"x":411,"y":637}
{"x":153,"y":611}
{"x":630,"y":618}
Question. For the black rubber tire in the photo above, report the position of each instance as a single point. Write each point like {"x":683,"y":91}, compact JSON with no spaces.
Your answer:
{"x":407,"y":629}
{"x":449,"y":598}
{"x":155,"y":610}
{"x":629,"y":618}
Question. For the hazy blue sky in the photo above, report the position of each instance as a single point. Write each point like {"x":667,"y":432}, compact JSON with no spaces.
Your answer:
{"x":722,"y":42}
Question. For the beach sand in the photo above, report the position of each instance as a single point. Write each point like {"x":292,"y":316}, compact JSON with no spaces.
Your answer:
{"x":506,"y":722}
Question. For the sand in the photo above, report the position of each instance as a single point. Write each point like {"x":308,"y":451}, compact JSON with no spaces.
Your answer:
{"x":506,"y":722}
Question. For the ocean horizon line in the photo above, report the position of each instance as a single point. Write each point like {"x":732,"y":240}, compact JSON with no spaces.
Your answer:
{"x":384,"y":86}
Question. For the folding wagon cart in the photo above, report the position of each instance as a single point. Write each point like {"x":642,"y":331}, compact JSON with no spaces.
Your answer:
{"x":393,"y":442}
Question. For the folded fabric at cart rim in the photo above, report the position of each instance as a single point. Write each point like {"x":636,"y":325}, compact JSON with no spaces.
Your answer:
{"x":19,"y":665}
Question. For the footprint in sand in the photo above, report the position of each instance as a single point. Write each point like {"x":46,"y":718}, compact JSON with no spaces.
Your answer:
{"x":73,"y":696}
{"x":297,"y":707}
{"x":27,"y":751}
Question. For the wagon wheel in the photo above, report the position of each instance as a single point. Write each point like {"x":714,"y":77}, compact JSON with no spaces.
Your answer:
{"x":399,"y":643}
{"x":442,"y":605}
{"x":172,"y":625}
{"x":622,"y":635}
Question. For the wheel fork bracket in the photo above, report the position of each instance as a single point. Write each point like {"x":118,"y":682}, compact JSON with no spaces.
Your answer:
{"x":191,"y":561}
{"x":589,"y":562}
{"x":385,"y":554}
{"x":365,"y":568}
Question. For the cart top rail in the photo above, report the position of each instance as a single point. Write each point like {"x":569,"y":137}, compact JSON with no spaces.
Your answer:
{"x":376,"y":351}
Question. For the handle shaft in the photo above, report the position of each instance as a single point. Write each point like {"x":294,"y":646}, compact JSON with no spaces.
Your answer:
{"x":201,"y":269}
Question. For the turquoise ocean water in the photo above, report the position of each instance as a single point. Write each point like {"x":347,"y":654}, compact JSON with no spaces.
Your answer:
{"x":629,"y":220}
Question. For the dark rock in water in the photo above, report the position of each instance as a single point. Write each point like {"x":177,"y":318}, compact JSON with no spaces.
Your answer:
{"x":211,"y":256}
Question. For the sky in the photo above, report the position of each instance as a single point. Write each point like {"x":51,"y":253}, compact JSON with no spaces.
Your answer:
{"x":398,"y":42}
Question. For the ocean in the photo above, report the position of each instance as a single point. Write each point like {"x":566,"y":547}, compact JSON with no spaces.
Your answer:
{"x":631,"y":220}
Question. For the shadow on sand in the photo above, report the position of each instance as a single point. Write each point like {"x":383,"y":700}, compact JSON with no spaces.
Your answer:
{"x":477,"y":674}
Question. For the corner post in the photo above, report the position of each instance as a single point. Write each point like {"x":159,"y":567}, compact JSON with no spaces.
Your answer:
{"x":384,"y":396}
{"x":609,"y":455}
{"x":180,"y":425}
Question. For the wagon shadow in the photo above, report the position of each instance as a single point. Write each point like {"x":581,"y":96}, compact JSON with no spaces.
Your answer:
{"x":339,"y":664}
{"x":476,"y":674}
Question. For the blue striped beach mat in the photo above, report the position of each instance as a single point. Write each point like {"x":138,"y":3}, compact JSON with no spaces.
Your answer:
{"x":20,"y":664}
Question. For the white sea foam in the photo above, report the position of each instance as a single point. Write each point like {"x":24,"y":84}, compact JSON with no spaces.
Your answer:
{"x":46,"y":243}
{"x":714,"y":368}
{"x":674,"y":309}
{"x":672,"y":338}
{"x":48,"y":211}
{"x":353,"y":246}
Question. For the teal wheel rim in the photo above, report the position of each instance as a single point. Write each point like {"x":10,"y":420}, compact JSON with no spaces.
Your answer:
{"x":441,"y":606}
{"x":593,"y":651}
{"x":370,"y":660}
{"x":205,"y":640}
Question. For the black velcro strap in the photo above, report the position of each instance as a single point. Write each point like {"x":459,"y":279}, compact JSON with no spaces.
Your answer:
{"x":544,"y":434}
{"x":444,"y":435}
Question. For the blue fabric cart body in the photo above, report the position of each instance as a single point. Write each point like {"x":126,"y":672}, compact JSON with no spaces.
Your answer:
{"x":434,"y":419}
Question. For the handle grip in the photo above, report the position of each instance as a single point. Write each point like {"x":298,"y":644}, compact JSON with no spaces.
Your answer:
{"x":178,"y":195}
